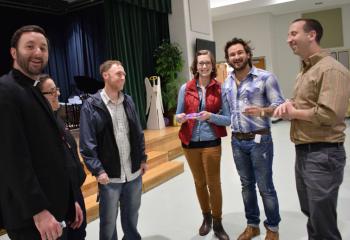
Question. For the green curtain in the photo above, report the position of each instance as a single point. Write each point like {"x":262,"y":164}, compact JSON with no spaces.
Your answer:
{"x":133,"y":33}
{"x":163,"y":6}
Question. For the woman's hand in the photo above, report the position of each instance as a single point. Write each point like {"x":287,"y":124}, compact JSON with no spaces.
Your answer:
{"x":181,"y":117}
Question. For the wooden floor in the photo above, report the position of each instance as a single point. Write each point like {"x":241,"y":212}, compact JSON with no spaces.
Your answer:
{"x":162,"y":146}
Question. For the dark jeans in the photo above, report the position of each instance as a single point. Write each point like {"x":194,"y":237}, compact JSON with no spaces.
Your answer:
{"x":319,"y":172}
{"x":254,"y":165}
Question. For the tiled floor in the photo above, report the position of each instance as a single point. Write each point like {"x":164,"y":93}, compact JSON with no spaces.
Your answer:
{"x":171,"y":211}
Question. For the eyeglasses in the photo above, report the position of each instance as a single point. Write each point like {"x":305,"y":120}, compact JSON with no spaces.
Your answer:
{"x":52,"y":92}
{"x":204,"y":63}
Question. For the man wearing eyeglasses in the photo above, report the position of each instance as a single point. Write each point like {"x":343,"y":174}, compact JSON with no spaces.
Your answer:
{"x":35,"y":190}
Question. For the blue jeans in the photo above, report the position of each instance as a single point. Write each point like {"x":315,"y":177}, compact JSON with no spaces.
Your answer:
{"x":128,"y":196}
{"x":254,"y":165}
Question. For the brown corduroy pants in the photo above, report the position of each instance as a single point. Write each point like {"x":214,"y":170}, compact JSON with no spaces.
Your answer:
{"x":205,"y":167}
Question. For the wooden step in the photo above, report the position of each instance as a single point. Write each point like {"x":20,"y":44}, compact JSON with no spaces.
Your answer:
{"x":156,"y":138}
{"x":90,"y":186}
{"x":175,"y":152}
{"x":92,"y":210}
{"x":155,"y":158}
{"x":172,"y":146}
{"x":160,"y":174}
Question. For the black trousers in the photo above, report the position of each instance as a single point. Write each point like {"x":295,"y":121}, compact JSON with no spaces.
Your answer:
{"x":319,"y":170}
{"x":30,"y":233}
{"x":79,"y":233}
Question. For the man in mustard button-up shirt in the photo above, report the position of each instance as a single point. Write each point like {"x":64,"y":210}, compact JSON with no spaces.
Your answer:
{"x":317,"y":112}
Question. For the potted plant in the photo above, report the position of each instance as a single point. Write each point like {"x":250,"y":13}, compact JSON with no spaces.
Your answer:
{"x":169,"y":63}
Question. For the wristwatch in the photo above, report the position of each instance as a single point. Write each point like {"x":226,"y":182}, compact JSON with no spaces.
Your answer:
{"x":262,"y":113}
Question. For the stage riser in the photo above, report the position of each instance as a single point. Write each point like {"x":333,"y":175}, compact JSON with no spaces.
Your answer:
{"x":161,"y":174}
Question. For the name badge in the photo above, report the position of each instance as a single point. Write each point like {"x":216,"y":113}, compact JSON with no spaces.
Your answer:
{"x":257,"y":138}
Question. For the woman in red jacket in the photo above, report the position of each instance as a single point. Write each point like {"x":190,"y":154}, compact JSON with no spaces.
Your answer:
{"x":203,"y":115}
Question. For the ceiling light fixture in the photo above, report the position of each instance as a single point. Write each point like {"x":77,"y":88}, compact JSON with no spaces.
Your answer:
{"x":222,"y":3}
{"x":273,"y":2}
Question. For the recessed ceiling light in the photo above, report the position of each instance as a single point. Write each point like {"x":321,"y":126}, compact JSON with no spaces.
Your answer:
{"x":279,"y":1}
{"x":221,"y":3}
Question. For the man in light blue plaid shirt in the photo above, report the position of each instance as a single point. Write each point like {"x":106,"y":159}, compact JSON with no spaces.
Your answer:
{"x":252,"y":94}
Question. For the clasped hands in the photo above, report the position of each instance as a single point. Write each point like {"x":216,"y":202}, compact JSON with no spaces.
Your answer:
{"x":286,"y":110}
{"x":202,"y":116}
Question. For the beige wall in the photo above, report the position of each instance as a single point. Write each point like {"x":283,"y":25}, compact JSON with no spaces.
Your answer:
{"x":268,"y":34}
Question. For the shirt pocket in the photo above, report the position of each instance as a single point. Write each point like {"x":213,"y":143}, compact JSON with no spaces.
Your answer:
{"x":308,"y":88}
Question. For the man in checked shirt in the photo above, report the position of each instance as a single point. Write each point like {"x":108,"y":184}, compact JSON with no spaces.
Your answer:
{"x":317,"y":111}
{"x":252,"y":95}
{"x":113,"y":147}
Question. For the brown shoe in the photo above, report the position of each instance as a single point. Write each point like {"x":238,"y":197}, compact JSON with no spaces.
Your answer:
{"x":249,"y":233}
{"x":219,"y":230}
{"x":271,"y":235}
{"x":206,"y":225}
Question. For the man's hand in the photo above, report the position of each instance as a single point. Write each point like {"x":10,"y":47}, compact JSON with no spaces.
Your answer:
{"x":181,"y":117}
{"x":285,"y":110}
{"x":144,"y":168}
{"x":103,"y":178}
{"x":254,"y":111}
{"x":79,"y":217}
{"x":47,"y":225}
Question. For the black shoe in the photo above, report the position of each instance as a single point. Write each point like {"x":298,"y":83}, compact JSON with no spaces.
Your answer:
{"x":206,"y":225}
{"x":219,"y":230}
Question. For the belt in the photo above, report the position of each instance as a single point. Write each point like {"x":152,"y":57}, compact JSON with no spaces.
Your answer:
{"x":317,"y":145}
{"x":203,"y":144}
{"x":250,"y":135}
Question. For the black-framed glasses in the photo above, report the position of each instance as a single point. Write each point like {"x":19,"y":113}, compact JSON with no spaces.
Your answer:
{"x":204,"y":63}
{"x":52,"y":92}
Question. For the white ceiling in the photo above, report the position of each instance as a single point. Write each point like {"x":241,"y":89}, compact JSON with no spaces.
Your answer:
{"x":267,"y":6}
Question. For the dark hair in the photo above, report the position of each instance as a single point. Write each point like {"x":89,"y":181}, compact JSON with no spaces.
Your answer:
{"x":43,"y":78}
{"x":312,"y":25}
{"x":28,"y":28}
{"x":194,"y":68}
{"x":104,"y":67}
{"x":247,"y":48}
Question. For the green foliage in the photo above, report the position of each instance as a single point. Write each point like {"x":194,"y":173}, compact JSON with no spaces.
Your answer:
{"x":169,"y":63}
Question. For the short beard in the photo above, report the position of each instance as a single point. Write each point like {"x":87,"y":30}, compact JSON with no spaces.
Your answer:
{"x":24,"y":64}
{"x":244,"y":65}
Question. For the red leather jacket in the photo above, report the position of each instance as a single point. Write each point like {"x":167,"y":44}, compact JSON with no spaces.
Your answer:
{"x":212,"y":104}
